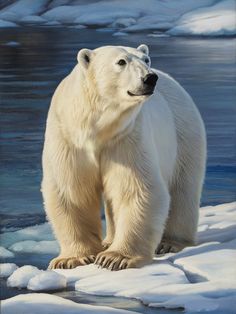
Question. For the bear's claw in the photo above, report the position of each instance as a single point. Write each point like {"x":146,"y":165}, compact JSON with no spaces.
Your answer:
{"x":169,"y":247}
{"x":71,"y":262}
{"x":115,"y":261}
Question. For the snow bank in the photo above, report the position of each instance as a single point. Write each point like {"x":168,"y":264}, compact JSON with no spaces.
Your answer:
{"x":45,"y":303}
{"x":47,"y":280}
{"x":6,"y":269}
{"x":197,"y":279}
{"x":217,"y":20}
{"x":202,"y":17}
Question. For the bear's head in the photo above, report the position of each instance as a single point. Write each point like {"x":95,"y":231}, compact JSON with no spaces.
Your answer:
{"x":120,"y":74}
{"x":116,"y":81}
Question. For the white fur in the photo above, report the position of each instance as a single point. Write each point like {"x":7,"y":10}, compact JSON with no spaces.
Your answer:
{"x":145,"y":155}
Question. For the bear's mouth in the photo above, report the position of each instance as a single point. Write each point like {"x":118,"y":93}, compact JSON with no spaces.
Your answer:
{"x":146,"y":93}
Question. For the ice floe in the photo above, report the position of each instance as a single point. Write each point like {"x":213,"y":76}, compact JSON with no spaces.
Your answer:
{"x":47,"y":280}
{"x":197,"y":279}
{"x":35,"y":303}
{"x":6,"y":269}
{"x":30,"y":246}
{"x":216,"y":20}
{"x":4,"y":253}
{"x":22,"y":275}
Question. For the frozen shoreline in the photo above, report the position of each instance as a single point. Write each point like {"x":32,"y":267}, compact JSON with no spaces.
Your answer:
{"x":191,"y":18}
{"x":198,"y":279}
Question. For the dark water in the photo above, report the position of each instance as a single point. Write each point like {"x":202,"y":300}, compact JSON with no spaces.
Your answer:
{"x":30,"y":72}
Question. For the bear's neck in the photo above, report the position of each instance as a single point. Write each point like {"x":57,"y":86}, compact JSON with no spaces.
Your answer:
{"x":96,"y":122}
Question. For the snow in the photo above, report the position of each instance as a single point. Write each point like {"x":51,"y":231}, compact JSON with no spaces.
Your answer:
{"x":47,"y":280}
{"x":202,"y":17}
{"x":45,"y":303}
{"x":4,"y":253}
{"x":22,"y":275}
{"x":6,"y":269}
{"x":217,"y":20}
{"x":197,"y":279}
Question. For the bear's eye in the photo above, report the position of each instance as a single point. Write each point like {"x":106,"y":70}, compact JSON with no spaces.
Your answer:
{"x":121,"y":62}
{"x":146,"y":60}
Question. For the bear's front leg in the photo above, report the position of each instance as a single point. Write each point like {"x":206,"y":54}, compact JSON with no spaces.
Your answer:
{"x":77,"y":228}
{"x":140,"y":203}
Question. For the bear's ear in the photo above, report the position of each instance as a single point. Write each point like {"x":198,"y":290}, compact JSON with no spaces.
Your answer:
{"x":84,"y":57}
{"x":143,"y":48}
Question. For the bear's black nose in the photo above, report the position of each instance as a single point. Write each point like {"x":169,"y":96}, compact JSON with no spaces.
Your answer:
{"x":150,"y":79}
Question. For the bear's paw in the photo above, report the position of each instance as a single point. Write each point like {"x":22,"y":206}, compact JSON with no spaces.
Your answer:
{"x":70,"y":262}
{"x":169,"y":247}
{"x":113,"y":260}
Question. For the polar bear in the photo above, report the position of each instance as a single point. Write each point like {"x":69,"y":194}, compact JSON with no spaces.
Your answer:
{"x":125,"y":133}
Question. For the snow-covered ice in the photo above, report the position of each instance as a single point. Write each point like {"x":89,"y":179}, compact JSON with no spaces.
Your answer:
{"x":197,"y":279}
{"x":31,"y":246}
{"x":6,"y":269}
{"x":35,"y":303}
{"x":4,"y":253}
{"x":218,"y":19}
{"x":47,"y":280}
{"x":39,"y":232}
{"x":22,"y":275}
{"x":4,"y":23}
{"x":202,"y":17}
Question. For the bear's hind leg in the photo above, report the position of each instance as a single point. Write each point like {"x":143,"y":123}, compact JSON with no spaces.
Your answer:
{"x":181,"y":226}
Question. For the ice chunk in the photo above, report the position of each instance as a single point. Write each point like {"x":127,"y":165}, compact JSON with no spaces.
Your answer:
{"x":47,"y":280}
{"x":216,"y":20}
{"x":32,"y":19}
{"x":35,"y":303}
{"x":6,"y":269}
{"x":120,"y":34}
{"x":4,"y":253}
{"x":22,"y":8}
{"x":22,"y":275}
{"x":42,"y":247}
{"x":6,"y":24}
{"x":37,"y":233}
